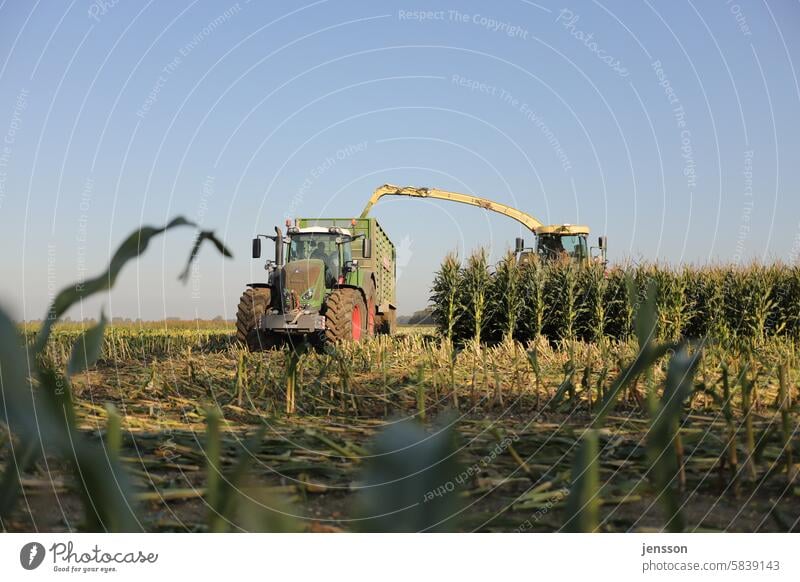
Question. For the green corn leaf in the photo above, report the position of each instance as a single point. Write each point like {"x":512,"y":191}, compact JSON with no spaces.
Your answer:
{"x":105,"y":488}
{"x":87,"y":348}
{"x":132,"y":247}
{"x":16,"y":404}
{"x":230,"y":494}
{"x":22,"y":407}
{"x":43,"y":418}
{"x":113,"y":432}
{"x":213,"y":470}
{"x":23,"y":461}
{"x":643,"y":361}
{"x":202,"y":236}
{"x":663,"y":432}
{"x":646,"y":319}
{"x":583,"y":502}
{"x":411,"y":481}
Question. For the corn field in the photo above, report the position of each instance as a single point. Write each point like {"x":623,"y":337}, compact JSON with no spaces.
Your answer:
{"x":561,"y":301}
{"x":553,"y":399}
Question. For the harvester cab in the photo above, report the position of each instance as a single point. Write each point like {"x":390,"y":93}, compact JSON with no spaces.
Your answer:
{"x":563,"y":242}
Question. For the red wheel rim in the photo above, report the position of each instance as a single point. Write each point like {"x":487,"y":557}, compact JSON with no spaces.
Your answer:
{"x":371,"y":318}
{"x":355,"y":323}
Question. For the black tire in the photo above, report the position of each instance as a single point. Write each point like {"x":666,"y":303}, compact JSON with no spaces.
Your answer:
{"x":252,"y":305}
{"x":340,"y":316}
{"x":391,"y":322}
{"x":386,"y":323}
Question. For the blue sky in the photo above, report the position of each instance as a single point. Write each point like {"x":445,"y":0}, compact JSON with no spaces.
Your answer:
{"x":671,"y":127}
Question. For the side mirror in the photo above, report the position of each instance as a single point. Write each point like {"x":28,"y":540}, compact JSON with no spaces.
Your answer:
{"x":520,"y":244}
{"x":601,"y":242}
{"x":366,"y":250}
{"x":256,"y":248}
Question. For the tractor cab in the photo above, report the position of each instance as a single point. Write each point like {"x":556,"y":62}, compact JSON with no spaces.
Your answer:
{"x":332,"y":246}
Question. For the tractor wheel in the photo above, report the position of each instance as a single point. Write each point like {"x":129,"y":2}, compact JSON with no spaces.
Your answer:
{"x":252,"y":306}
{"x":346,"y":316}
{"x":391,"y":322}
{"x":386,"y":323}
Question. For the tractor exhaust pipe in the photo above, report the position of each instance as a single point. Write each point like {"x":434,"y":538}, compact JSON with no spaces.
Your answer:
{"x":278,"y":247}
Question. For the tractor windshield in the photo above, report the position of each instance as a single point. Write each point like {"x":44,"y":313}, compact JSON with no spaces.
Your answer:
{"x":554,"y":246}
{"x":321,"y":246}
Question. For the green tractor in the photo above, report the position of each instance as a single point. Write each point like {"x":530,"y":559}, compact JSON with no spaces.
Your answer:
{"x":331,"y":279}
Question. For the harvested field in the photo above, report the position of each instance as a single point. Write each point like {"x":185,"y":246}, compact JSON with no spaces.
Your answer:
{"x":190,"y":401}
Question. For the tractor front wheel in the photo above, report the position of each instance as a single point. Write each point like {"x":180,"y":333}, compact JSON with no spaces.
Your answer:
{"x":346,"y":316}
{"x":252,"y":306}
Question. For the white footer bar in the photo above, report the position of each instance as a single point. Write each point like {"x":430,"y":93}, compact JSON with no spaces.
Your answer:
{"x":406,"y":557}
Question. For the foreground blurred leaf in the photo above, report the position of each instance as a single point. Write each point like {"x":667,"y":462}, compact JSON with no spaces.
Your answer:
{"x":644,"y":359}
{"x":661,"y":438}
{"x":203,"y":235}
{"x":20,"y":406}
{"x":132,"y":247}
{"x":15,"y":405}
{"x":104,"y":486}
{"x":583,"y":502}
{"x":411,"y":481}
{"x":646,"y":319}
{"x":258,"y":509}
{"x":87,"y":348}
{"x":42,"y":417}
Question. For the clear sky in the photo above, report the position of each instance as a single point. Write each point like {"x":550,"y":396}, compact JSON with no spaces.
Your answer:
{"x":671,"y":127}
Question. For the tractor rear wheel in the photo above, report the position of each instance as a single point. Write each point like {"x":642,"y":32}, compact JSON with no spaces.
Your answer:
{"x":386,"y":323}
{"x":391,"y":321}
{"x":346,"y":316}
{"x":252,"y":306}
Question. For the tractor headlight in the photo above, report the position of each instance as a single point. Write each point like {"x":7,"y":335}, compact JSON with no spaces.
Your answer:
{"x":307,"y":294}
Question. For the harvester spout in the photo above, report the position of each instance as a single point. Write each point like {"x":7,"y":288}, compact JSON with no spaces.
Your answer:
{"x":526,"y":219}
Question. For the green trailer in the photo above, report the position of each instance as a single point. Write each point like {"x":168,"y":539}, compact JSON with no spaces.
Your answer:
{"x":331,"y":279}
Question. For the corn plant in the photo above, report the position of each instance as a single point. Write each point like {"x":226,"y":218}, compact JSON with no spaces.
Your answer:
{"x":445,"y":296}
{"x":593,"y":294}
{"x":671,"y":304}
{"x":531,"y":319}
{"x":562,"y":298}
{"x":562,"y":301}
{"x":475,"y":284}
{"x":506,"y":298}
